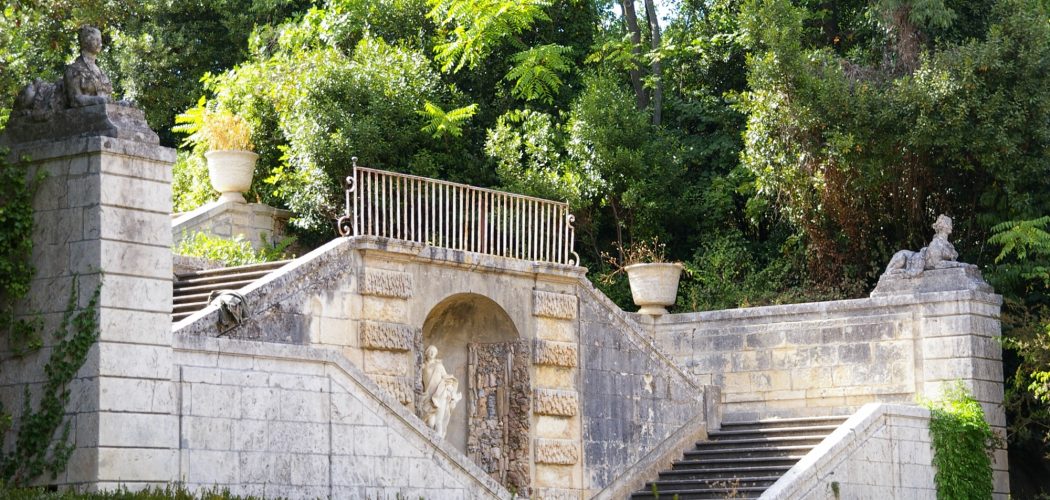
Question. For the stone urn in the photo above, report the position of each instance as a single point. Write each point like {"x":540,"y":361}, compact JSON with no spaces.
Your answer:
{"x":231,"y":173}
{"x":654,"y":286}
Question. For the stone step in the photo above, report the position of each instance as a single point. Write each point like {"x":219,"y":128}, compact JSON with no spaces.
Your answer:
{"x":191,"y":307}
{"x":671,"y":486}
{"x":191,"y":290}
{"x":742,"y":462}
{"x":203,"y":289}
{"x":231,"y":270}
{"x":755,"y":433}
{"x":725,"y":473}
{"x":182,"y":283}
{"x":704,"y":493}
{"x":748,"y":452}
{"x":774,"y":423}
{"x":774,"y":440}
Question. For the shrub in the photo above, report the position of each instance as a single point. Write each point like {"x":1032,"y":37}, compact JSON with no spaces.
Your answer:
{"x":232,"y":252}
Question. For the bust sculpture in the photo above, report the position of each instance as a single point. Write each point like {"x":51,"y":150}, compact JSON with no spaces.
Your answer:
{"x":440,"y":393}
{"x":939,"y":254}
{"x":79,"y":104}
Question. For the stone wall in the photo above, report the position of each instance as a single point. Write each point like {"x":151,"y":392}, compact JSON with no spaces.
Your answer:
{"x":635,"y":398}
{"x":101,"y":216}
{"x":299,"y":422}
{"x":832,"y":357}
{"x":257,"y":223}
{"x":883,"y":451}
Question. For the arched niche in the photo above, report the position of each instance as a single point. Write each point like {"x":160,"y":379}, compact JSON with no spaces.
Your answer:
{"x":480,"y":345}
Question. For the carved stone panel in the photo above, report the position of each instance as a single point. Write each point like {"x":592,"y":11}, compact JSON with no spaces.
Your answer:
{"x":557,"y":452}
{"x":499,"y":390}
{"x":387,"y":336}
{"x":554,"y":305}
{"x":556,"y":403}
{"x":385,"y":283}
{"x":561,"y":354}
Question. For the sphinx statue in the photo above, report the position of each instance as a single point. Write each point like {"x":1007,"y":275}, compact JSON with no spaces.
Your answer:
{"x":910,"y":271}
{"x":440,"y":393}
{"x":77,"y":105}
{"x":939,"y":254}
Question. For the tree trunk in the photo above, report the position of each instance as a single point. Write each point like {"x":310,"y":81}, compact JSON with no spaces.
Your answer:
{"x":631,"y":18}
{"x":654,"y":31}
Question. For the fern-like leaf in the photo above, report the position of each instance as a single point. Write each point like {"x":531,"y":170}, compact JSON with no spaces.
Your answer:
{"x":442,"y":123}
{"x":535,"y":72}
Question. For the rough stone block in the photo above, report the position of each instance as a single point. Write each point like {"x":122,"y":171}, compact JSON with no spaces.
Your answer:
{"x":556,"y":330}
{"x":555,"y":354}
{"x":213,"y":467}
{"x":554,"y":402}
{"x":207,"y":433}
{"x":554,"y":305}
{"x":135,"y":293}
{"x":401,"y":388}
{"x":557,"y":451}
{"x":383,"y":309}
{"x":137,"y":464}
{"x":388,"y":336}
{"x":138,"y":194}
{"x":134,"y":226}
{"x":387,"y":362}
{"x":384,"y":283}
{"x":134,"y":360}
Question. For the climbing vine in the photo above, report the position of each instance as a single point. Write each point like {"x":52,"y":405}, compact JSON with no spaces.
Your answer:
{"x":16,"y":245}
{"x":36,"y":450}
{"x":962,"y":446}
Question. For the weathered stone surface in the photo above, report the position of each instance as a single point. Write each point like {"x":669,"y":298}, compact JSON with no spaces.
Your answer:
{"x":399,"y":387}
{"x":933,"y":280}
{"x":556,"y":354}
{"x":557,"y":452}
{"x":107,"y":120}
{"x":387,"y":336}
{"x":557,"y":403}
{"x":384,"y":283}
{"x":554,"y":305}
{"x":500,"y":422}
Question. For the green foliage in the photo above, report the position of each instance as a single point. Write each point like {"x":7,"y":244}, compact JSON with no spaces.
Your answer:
{"x":857,"y":153}
{"x":535,"y":72}
{"x":231,"y":252}
{"x":529,"y":149}
{"x":168,"y":492}
{"x":1022,"y":275}
{"x":17,"y":189}
{"x":962,"y":445}
{"x":42,"y":442}
{"x":190,"y":185}
{"x":471,"y":29}
{"x":442,"y":123}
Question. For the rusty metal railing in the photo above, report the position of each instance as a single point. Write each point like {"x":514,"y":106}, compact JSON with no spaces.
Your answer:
{"x":457,"y":216}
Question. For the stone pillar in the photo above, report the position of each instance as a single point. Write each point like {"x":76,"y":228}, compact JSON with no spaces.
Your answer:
{"x":958,"y":333}
{"x":556,"y":399}
{"x":103,"y":215}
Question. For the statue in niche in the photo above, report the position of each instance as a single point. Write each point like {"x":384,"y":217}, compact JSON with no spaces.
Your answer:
{"x":440,"y":393}
{"x":939,"y":254}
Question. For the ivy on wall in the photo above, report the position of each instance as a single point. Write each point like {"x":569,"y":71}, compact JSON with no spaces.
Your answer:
{"x":962,"y":446}
{"x":41,"y":442}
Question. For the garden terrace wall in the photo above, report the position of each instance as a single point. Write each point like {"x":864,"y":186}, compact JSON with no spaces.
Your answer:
{"x":833,"y":357}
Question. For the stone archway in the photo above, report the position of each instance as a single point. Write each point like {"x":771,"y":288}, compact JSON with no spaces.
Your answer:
{"x":482,"y":348}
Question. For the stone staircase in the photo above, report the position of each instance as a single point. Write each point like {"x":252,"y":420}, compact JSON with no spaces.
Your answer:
{"x":741,"y":460}
{"x":191,"y":290}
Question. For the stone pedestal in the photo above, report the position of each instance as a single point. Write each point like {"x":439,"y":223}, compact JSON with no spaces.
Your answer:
{"x":958,"y":332}
{"x":102,"y":215}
